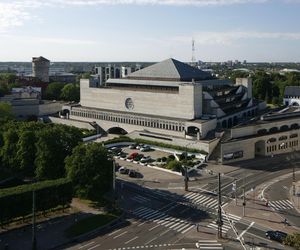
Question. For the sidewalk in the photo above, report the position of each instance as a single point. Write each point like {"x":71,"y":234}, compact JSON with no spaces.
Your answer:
{"x":258,"y":212}
{"x":295,"y":199}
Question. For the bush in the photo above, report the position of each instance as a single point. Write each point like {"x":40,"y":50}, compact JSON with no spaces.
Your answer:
{"x":171,"y":157}
{"x":158,"y":159}
{"x":174,"y":165}
{"x":164,"y":145}
{"x":164,"y":159}
{"x":118,"y":139}
{"x":293,"y":240}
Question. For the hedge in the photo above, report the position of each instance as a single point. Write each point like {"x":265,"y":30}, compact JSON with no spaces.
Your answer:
{"x":164,"y":145}
{"x":17,"y":201}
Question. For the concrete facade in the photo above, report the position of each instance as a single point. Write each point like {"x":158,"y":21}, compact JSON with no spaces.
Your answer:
{"x":262,"y":138}
{"x":184,"y":104}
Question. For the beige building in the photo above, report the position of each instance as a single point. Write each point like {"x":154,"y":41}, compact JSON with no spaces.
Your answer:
{"x":167,"y":101}
{"x":267,"y":135}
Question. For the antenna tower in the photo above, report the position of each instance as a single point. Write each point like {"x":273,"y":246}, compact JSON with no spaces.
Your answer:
{"x":193,"y":51}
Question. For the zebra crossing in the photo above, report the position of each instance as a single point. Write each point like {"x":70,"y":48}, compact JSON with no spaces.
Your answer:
{"x":200,"y":199}
{"x":209,"y":244}
{"x":163,"y":219}
{"x":226,"y":225}
{"x":281,"y":205}
{"x":140,"y":199}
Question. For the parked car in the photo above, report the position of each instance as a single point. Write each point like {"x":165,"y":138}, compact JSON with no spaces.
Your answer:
{"x":133,"y":146}
{"x":145,"y":159}
{"x":132,"y":173}
{"x":114,"y":150}
{"x":133,"y":155}
{"x":145,"y":148}
{"x":139,"y":146}
{"x":276,"y":235}
{"x":123,"y":170}
{"x":138,"y":157}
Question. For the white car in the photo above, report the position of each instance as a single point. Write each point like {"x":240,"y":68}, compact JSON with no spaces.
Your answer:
{"x":145,"y":159}
{"x":145,"y":149}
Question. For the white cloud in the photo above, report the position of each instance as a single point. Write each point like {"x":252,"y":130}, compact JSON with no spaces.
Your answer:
{"x":156,"y":2}
{"x":49,"y":40}
{"x":229,"y":38}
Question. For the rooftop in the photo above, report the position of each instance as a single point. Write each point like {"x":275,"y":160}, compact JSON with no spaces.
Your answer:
{"x":170,"y":70}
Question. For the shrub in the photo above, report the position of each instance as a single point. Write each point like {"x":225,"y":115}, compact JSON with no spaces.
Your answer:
{"x":164,"y":159}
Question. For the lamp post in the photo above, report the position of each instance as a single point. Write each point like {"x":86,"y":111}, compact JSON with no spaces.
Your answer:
{"x":33,"y":222}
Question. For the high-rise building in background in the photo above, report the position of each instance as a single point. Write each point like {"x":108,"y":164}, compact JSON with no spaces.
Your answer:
{"x":40,"y":68}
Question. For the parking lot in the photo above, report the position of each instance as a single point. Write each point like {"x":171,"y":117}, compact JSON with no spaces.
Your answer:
{"x":146,"y":174}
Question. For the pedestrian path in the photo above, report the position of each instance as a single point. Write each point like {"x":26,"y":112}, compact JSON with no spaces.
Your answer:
{"x":201,"y":199}
{"x":209,"y":244}
{"x":226,"y":225}
{"x":281,"y":204}
{"x":163,"y":219}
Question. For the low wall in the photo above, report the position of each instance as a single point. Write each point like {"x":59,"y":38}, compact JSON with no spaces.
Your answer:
{"x":78,"y":124}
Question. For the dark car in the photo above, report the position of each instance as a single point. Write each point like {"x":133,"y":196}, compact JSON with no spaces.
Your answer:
{"x":132,"y":173}
{"x":123,"y":170}
{"x":276,"y":235}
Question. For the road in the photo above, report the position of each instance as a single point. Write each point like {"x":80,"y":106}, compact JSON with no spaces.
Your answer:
{"x":278,"y":196}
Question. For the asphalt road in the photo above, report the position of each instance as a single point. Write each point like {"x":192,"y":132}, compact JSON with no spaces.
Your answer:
{"x":278,"y":196}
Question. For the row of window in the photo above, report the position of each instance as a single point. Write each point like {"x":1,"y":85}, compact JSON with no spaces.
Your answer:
{"x":134,"y":120}
{"x":281,"y":146}
{"x":282,"y":138}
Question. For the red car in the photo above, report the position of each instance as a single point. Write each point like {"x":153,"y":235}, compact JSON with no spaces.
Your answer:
{"x":133,"y":155}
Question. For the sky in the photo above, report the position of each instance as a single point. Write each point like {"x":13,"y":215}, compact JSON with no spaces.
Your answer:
{"x":150,"y":30}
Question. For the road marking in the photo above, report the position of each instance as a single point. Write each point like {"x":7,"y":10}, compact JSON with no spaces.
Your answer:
{"x":242,"y":233}
{"x":114,"y":232}
{"x":94,"y":247}
{"x":150,"y":241}
{"x":120,"y":235}
{"x":165,"y":232}
{"x":154,"y":227}
{"x":131,"y":240}
{"x":142,"y":223}
{"x":86,"y":245}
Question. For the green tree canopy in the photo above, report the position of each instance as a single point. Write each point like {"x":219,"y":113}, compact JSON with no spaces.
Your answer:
{"x":5,"y":112}
{"x":53,"y":90}
{"x":89,"y":170}
{"x":70,"y":92}
{"x":53,"y":145}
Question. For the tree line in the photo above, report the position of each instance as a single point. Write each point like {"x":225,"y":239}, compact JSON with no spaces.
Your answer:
{"x":17,"y":201}
{"x":269,"y":86}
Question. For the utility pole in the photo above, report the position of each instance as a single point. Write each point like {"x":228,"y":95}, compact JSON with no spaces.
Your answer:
{"x":244,"y":201}
{"x":114,"y":175}
{"x":33,"y":221}
{"x":219,"y":221}
{"x":294,"y":180}
{"x":186,"y":178}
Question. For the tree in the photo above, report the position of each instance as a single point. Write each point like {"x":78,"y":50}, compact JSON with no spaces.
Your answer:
{"x":9,"y":150}
{"x":53,"y":91}
{"x":70,"y":92}
{"x":5,"y":112}
{"x":26,"y":151}
{"x":54,"y":144}
{"x":89,"y":170}
{"x":293,"y":240}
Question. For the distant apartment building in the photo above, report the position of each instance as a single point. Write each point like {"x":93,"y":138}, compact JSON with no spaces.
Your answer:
{"x":291,"y":96}
{"x":40,"y":68}
{"x":103,"y":73}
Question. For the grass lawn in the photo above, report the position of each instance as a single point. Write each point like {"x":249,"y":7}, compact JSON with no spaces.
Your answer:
{"x":90,"y":223}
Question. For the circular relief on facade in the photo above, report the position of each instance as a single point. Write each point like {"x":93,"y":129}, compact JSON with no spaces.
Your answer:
{"x":129,"y":103}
